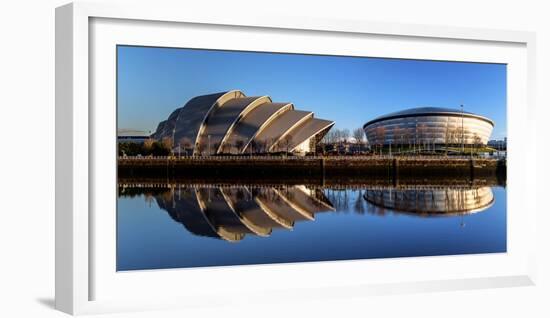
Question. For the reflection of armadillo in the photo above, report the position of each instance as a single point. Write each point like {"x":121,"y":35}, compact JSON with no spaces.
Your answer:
{"x":230,"y":213}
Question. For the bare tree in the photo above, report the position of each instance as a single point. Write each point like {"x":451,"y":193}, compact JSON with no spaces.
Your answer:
{"x":338,"y":139}
{"x":455,"y":136}
{"x":398,"y":137}
{"x":477,"y":140}
{"x":447,"y":139}
{"x":239,"y":143}
{"x":199,"y":148}
{"x":148,"y":145}
{"x":263,"y":146}
{"x":287,"y":142}
{"x":274,"y":143}
{"x":358,"y":135}
{"x":167,"y":143}
{"x":186,"y":143}
{"x":345,"y":135}
{"x":252,"y":147}
{"x":380,"y":132}
{"x":421,"y":132}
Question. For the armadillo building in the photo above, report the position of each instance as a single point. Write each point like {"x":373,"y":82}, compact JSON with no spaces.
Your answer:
{"x":230,"y":122}
{"x":429,"y":125}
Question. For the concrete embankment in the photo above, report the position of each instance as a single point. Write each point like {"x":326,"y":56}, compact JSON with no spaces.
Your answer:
{"x":345,"y":168}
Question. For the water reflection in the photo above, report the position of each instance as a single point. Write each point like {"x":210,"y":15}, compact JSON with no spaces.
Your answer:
{"x":431,"y":201}
{"x":191,"y":223}
{"x":231,"y":213}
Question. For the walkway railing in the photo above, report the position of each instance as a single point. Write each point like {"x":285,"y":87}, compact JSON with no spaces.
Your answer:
{"x":304,"y":158}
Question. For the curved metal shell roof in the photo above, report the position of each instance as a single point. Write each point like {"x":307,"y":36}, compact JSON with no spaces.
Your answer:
{"x":428,"y":111}
{"x":255,"y":121}
{"x":285,"y":122}
{"x":186,"y":122}
{"x":310,"y":127}
{"x":223,"y":122}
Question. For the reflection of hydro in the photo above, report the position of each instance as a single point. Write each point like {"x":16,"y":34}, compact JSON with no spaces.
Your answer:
{"x":432,"y":201}
{"x":230,"y":213}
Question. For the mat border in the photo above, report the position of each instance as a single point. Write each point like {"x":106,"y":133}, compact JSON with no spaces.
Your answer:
{"x":72,"y":133}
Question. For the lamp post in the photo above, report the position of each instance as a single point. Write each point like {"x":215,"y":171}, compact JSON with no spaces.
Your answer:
{"x":415,"y":134}
{"x":462,"y":113}
{"x":173,"y":141}
{"x":209,"y":145}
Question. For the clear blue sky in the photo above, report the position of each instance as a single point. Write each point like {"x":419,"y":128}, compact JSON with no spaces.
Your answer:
{"x":152,"y":82}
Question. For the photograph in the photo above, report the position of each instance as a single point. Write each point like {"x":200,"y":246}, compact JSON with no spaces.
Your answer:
{"x":231,"y":158}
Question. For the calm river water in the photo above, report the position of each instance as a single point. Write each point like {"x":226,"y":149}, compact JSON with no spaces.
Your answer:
{"x":178,"y":225}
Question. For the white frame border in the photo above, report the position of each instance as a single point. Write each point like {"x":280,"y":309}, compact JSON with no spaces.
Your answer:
{"x":72,"y":140}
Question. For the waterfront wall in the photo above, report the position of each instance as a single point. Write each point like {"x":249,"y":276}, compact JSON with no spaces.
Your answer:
{"x":334,"y":168}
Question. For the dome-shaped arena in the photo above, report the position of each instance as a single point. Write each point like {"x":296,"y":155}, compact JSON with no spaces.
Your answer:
{"x":230,"y":122}
{"x":429,"y":125}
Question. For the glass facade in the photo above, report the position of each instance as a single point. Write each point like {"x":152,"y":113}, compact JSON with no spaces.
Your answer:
{"x":448,"y":129}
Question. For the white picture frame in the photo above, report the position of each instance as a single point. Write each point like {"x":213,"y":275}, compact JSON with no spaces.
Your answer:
{"x":80,"y":165}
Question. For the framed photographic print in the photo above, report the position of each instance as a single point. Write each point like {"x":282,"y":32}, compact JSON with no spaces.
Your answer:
{"x":271,"y":158}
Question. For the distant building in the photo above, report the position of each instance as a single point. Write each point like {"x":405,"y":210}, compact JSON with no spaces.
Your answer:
{"x":429,"y":125}
{"x":230,"y":122}
{"x":497,"y":144}
{"x":129,"y":135}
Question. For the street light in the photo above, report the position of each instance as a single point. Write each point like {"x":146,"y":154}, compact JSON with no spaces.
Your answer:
{"x":173,"y":140}
{"x":462,"y":113}
{"x":209,"y":145}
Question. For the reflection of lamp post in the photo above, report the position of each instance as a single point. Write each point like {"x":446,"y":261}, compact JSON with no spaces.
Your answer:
{"x":173,"y":196}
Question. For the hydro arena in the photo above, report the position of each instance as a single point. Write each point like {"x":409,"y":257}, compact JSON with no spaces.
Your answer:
{"x":230,"y":122}
{"x":429,"y":126}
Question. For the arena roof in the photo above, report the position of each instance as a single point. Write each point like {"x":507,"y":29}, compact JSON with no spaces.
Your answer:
{"x":428,"y":111}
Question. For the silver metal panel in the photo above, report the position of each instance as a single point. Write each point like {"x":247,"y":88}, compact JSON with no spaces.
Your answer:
{"x":427,"y":111}
{"x":303,"y":132}
{"x":232,"y":123}
{"x":429,"y":129}
{"x":280,"y":125}
{"x":253,"y":122}
{"x":184,"y":124}
{"x":221,"y":120}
